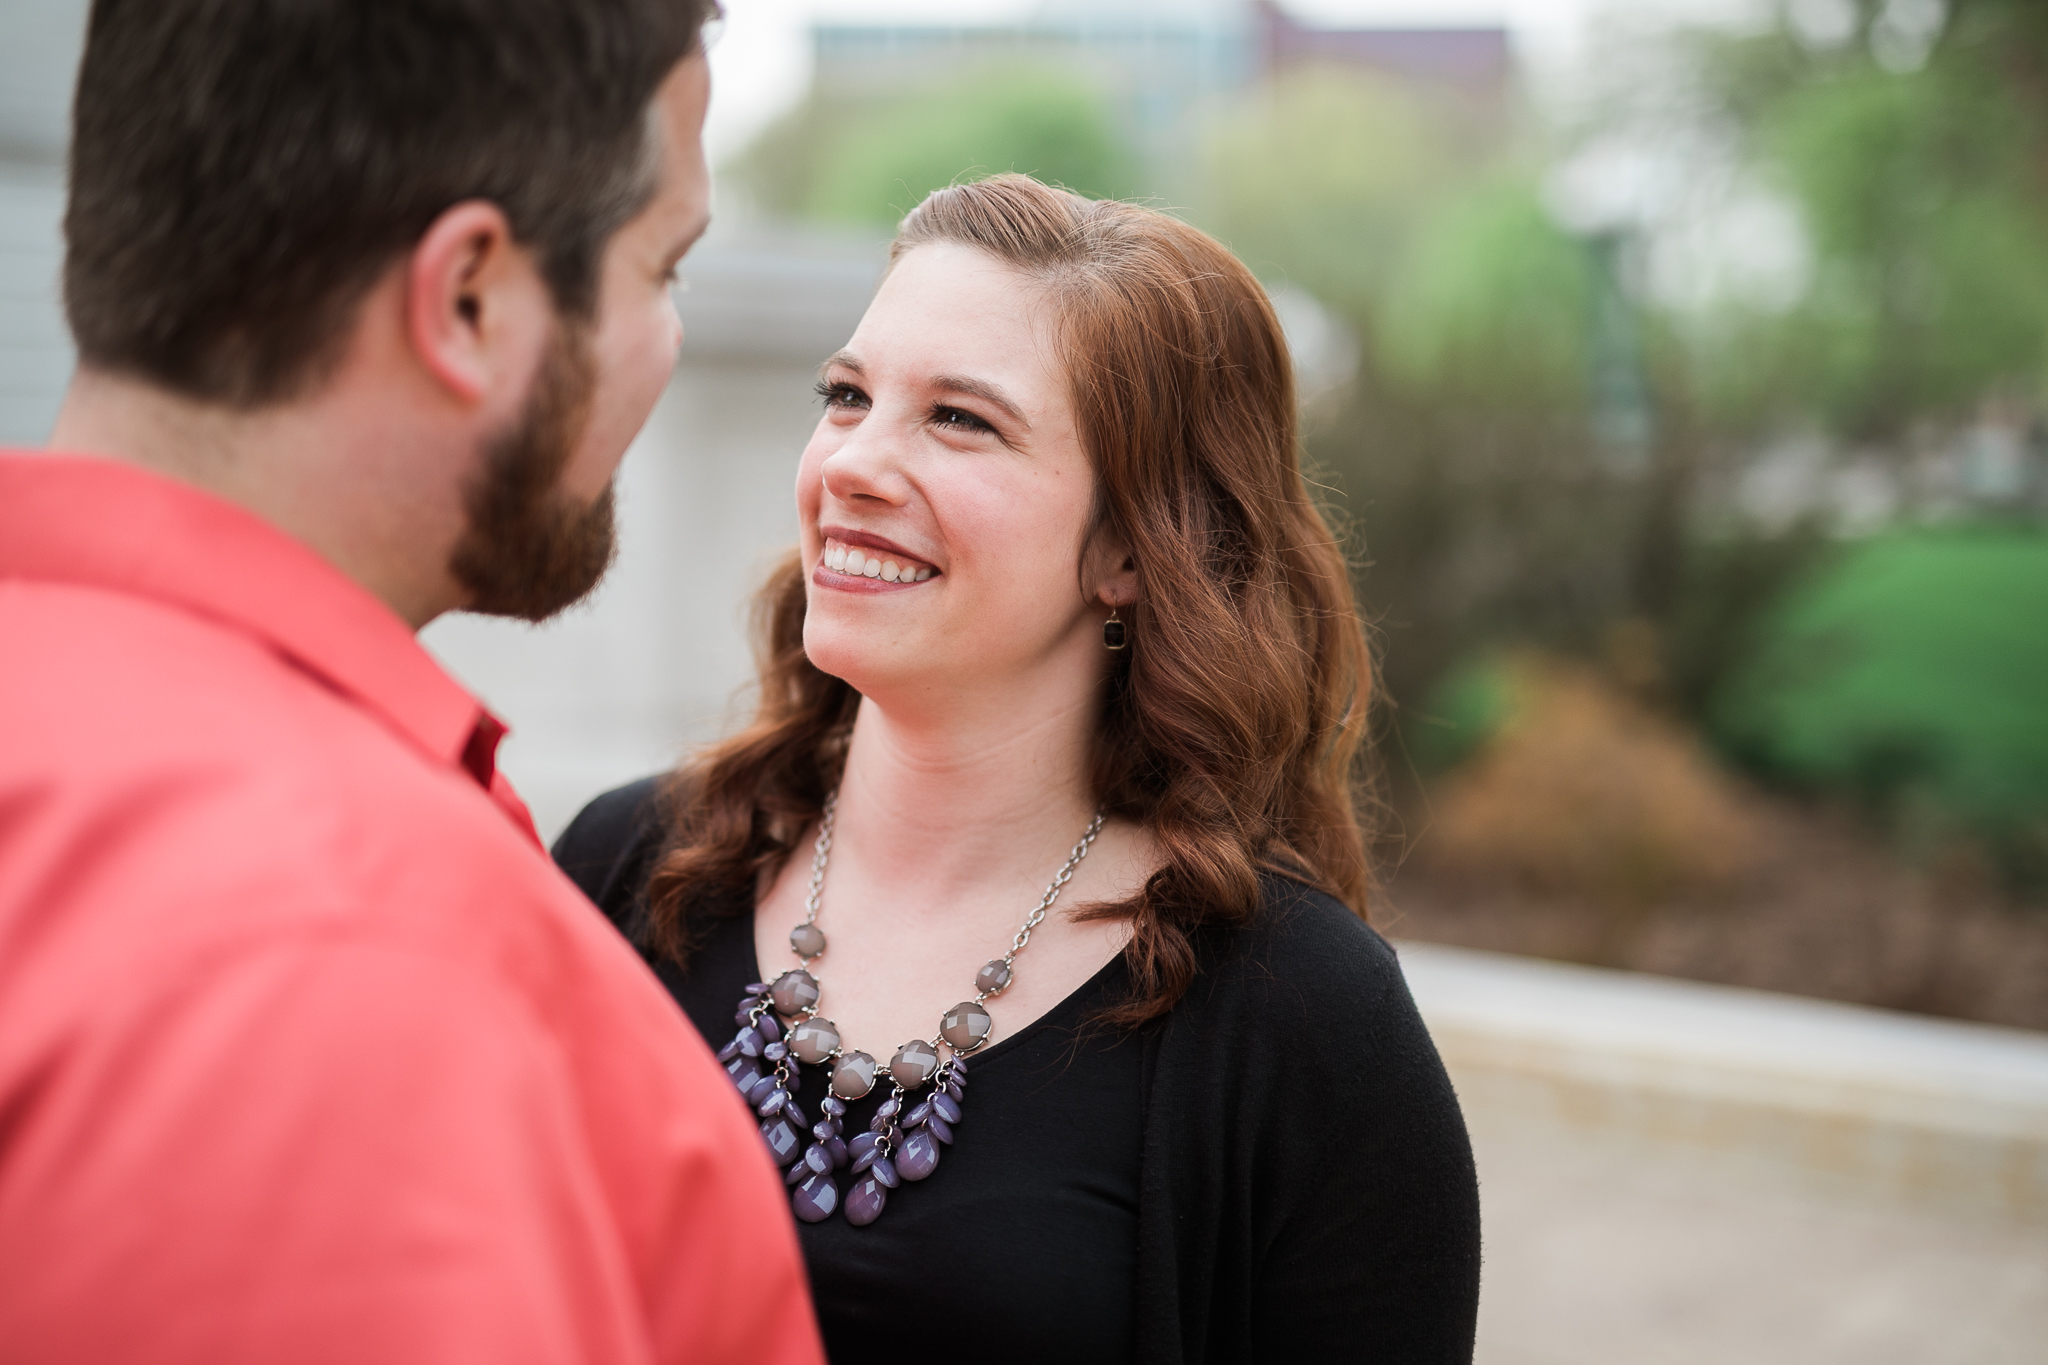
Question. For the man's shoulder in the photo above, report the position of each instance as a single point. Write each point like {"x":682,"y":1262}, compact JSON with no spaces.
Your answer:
{"x":213,"y":789}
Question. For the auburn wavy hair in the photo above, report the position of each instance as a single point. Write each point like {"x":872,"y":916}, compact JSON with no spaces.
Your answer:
{"x":1232,"y":725}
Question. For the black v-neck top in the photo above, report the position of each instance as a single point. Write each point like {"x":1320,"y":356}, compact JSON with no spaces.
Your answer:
{"x":1022,"y":1241}
{"x":1277,"y":1171}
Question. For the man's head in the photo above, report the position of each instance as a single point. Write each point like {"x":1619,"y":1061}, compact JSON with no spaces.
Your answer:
{"x":511,"y":181}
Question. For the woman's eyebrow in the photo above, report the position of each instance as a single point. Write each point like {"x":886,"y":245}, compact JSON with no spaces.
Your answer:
{"x":984,"y":390}
{"x":844,"y":360}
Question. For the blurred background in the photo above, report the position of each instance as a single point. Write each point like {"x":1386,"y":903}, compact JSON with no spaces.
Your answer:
{"x":1676,"y":371}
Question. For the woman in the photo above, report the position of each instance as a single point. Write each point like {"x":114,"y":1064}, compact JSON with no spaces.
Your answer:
{"x":1063,"y":627}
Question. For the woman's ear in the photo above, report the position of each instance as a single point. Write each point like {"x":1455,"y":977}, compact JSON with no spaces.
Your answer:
{"x":1112,"y":573}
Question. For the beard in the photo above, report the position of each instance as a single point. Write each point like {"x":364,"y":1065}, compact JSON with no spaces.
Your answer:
{"x":529,"y":552}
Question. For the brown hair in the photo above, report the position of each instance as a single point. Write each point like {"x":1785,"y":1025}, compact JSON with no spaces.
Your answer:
{"x":1231,"y":730}
{"x":242,"y":170}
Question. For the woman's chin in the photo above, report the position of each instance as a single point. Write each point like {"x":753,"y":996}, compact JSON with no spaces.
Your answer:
{"x":848,"y":651}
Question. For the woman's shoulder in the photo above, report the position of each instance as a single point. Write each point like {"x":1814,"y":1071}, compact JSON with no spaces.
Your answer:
{"x":608,"y":849}
{"x":1303,"y":934}
{"x":1305,"y":960}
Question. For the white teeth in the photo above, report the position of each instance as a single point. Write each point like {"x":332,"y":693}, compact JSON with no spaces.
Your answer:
{"x":848,"y":559}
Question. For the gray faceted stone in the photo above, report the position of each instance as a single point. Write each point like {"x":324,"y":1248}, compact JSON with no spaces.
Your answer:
{"x":913,"y":1064}
{"x":794,"y":992}
{"x":854,"y":1076}
{"x":808,"y":940}
{"x":813,"y":1040}
{"x":966,"y":1026}
{"x":992,"y":979}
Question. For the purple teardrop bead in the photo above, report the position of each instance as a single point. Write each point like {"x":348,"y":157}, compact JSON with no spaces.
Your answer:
{"x":796,"y":1173}
{"x":815,"y":1199}
{"x":862,"y":1144}
{"x":956,"y":1089}
{"x":866,"y":1159}
{"x":796,"y":1114}
{"x":959,"y":1068}
{"x":757,"y":987}
{"x":818,"y":1159}
{"x":838,"y":1151}
{"x":918,"y":1115}
{"x":939,"y":1129}
{"x":729,"y":1051}
{"x":920,"y":1156}
{"x":865,"y":1200}
{"x":744,"y":1072}
{"x":760,"y":1090}
{"x":769,"y":1030}
{"x":884,"y":1170}
{"x":749,"y":1042}
{"x":783,"y":1139}
{"x":833,"y":1105}
{"x":777,"y":1101}
{"x":946,"y":1107}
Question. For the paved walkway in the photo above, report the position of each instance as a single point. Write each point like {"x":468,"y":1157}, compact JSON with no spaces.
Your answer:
{"x":1649,"y":1202}
{"x":1610,"y":1253}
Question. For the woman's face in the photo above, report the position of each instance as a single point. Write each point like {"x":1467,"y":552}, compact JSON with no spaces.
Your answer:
{"x":945,"y":495}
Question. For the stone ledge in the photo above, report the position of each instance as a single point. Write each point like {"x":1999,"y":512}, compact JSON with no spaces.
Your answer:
{"x":1870,"y":1100}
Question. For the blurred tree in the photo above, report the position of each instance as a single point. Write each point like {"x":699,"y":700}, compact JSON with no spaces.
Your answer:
{"x":1922,"y":190}
{"x":1912,"y":672}
{"x":1324,"y":177}
{"x":872,"y":159}
{"x":1464,"y":456}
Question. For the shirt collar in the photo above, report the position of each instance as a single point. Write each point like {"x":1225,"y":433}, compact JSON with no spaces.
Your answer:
{"x":103,"y":523}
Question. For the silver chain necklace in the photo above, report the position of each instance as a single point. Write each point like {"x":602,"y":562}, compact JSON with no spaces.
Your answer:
{"x":780,"y":1027}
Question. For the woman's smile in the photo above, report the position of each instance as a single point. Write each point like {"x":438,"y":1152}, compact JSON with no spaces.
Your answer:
{"x":854,"y":561}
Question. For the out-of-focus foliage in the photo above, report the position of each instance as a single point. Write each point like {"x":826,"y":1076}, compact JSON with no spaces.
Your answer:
{"x":1585,"y":791}
{"x":871,"y":159}
{"x":1324,"y":180}
{"x":1495,"y":303}
{"x":1925,"y":203}
{"x":1914,"y":673}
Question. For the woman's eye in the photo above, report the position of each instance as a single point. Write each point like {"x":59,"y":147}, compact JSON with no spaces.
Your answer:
{"x":842,"y":396}
{"x":956,"y":419}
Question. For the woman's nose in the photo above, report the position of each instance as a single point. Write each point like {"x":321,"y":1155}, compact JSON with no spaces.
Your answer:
{"x":866,"y":465}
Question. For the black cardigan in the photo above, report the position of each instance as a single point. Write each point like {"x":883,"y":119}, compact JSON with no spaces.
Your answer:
{"x":1306,"y":1190}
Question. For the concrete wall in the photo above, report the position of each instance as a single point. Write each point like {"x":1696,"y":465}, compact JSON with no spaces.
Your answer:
{"x":39,"y":44}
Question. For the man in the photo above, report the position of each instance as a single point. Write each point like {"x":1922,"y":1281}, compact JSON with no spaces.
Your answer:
{"x":306,"y":1052}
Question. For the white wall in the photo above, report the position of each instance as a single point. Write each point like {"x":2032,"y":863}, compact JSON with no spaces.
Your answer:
{"x":35,"y":347}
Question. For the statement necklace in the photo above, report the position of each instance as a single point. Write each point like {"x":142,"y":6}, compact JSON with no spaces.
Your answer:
{"x":780,"y":1027}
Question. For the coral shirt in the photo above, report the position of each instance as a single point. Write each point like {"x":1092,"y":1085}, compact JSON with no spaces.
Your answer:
{"x":307,"y":1053}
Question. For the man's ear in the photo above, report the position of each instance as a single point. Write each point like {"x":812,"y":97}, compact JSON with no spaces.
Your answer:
{"x":470,"y":291}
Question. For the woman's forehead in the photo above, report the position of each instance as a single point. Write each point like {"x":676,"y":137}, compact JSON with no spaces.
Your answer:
{"x":962,"y":310}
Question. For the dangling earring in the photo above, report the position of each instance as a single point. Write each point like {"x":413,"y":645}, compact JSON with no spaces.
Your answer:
{"x":1113,"y":631}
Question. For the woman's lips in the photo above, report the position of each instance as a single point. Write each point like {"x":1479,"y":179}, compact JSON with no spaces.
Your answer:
{"x":847,"y":565}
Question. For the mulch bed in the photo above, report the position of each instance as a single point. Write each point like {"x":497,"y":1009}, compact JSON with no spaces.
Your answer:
{"x":1827,"y":911}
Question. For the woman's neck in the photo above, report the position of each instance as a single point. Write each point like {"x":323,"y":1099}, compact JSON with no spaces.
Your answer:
{"x":959,"y":801}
